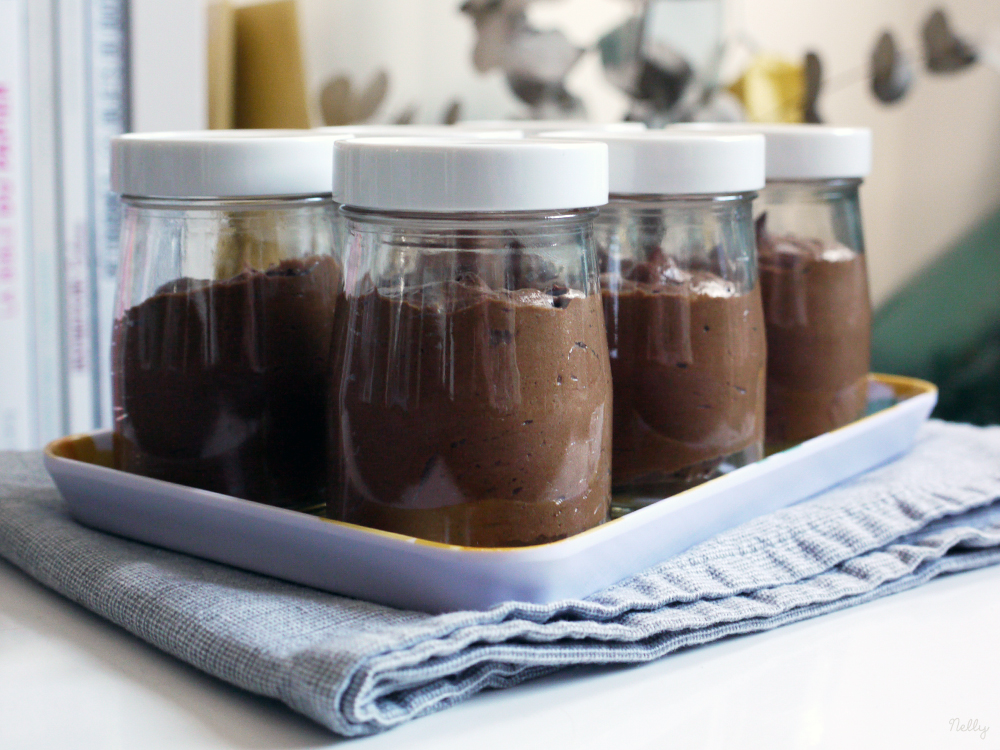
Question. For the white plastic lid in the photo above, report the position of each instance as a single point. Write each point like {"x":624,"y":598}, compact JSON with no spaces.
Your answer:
{"x":657,"y":162}
{"x":469,"y":174}
{"x":421,"y":131}
{"x":804,"y":152}
{"x":532,"y":127}
{"x":222,"y":163}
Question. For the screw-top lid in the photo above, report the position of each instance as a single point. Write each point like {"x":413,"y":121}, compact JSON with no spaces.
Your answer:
{"x":469,"y":174}
{"x":222,"y":163}
{"x":804,"y":152}
{"x":532,"y":127}
{"x":444,"y":131}
{"x":657,"y":162}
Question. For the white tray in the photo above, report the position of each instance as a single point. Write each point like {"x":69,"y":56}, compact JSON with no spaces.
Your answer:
{"x":415,"y":574}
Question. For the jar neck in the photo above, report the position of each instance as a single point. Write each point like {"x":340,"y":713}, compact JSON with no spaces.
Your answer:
{"x":720,"y":201}
{"x":731,"y":208}
{"x":712,"y":233}
{"x":826,"y":211}
{"x":811,"y":191}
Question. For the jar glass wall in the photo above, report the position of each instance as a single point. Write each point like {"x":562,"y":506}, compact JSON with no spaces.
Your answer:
{"x":474,"y":400}
{"x":221,"y":347}
{"x":816,"y":306}
{"x":686,"y":338}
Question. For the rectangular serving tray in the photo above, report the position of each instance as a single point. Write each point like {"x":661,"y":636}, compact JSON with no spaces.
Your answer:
{"x":415,"y":574}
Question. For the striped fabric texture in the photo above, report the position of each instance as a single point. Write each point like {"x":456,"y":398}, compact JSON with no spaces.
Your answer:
{"x":360,"y":668}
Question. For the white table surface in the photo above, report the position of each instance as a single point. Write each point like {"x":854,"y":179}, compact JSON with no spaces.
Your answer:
{"x":893,"y":673}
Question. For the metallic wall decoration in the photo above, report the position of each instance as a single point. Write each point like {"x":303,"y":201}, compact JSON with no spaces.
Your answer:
{"x":452,"y":113}
{"x":891,"y":72}
{"x":534,"y":62}
{"x":407,"y":115}
{"x":814,"y":82}
{"x":647,"y":71}
{"x":944,"y":52}
{"x":341,"y":105}
{"x":666,"y":58}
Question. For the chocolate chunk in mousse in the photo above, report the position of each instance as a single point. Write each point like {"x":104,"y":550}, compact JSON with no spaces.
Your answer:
{"x":687,"y":362}
{"x":475,"y":416}
{"x":222,"y":385}
{"x":818,"y":319}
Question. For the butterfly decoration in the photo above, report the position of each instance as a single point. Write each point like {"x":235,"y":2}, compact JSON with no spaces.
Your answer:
{"x":340,"y":104}
{"x":535,"y":62}
{"x":667,"y":57}
{"x":944,"y":51}
{"x":891,"y":71}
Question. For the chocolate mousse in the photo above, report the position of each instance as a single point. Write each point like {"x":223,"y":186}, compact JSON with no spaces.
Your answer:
{"x":818,"y":319}
{"x":475,"y":416}
{"x":222,"y":385}
{"x":687,"y":361}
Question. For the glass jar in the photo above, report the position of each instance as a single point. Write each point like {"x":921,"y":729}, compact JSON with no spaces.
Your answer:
{"x":813,"y":278}
{"x":474,"y":400}
{"x":816,"y":306}
{"x":812,"y":265}
{"x":227,"y":291}
{"x":683,"y":310}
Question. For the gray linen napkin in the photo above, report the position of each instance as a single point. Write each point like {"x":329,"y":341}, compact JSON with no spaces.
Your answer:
{"x":360,"y":668}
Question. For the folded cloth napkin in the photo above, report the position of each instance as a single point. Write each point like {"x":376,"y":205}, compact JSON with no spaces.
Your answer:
{"x":360,"y":668}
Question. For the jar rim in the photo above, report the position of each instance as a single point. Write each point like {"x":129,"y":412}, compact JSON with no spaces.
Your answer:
{"x":714,"y":198}
{"x":497,"y":218}
{"x":225,"y":203}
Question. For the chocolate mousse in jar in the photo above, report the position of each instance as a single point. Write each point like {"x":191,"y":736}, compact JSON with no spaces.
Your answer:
{"x":812,"y":268}
{"x":813,"y":276}
{"x":474,"y":400}
{"x":682,"y":305}
{"x":227,"y":291}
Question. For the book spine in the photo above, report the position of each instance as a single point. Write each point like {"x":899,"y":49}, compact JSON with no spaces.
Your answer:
{"x":76,"y":236}
{"x":110,"y":108}
{"x":45,"y":252}
{"x":16,"y":357}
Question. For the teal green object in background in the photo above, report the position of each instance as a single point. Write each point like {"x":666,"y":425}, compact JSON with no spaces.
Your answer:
{"x":944,"y":326}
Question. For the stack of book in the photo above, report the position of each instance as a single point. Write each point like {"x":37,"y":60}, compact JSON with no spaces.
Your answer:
{"x":63,"y":96}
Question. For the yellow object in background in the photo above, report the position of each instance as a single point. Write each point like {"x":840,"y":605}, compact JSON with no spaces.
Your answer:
{"x":772,"y":89}
{"x":221,"y":65}
{"x":270,"y":80}
{"x":248,"y":241}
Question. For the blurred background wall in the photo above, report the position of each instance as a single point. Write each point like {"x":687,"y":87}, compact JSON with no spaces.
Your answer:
{"x":168,"y":60}
{"x":937,"y":152}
